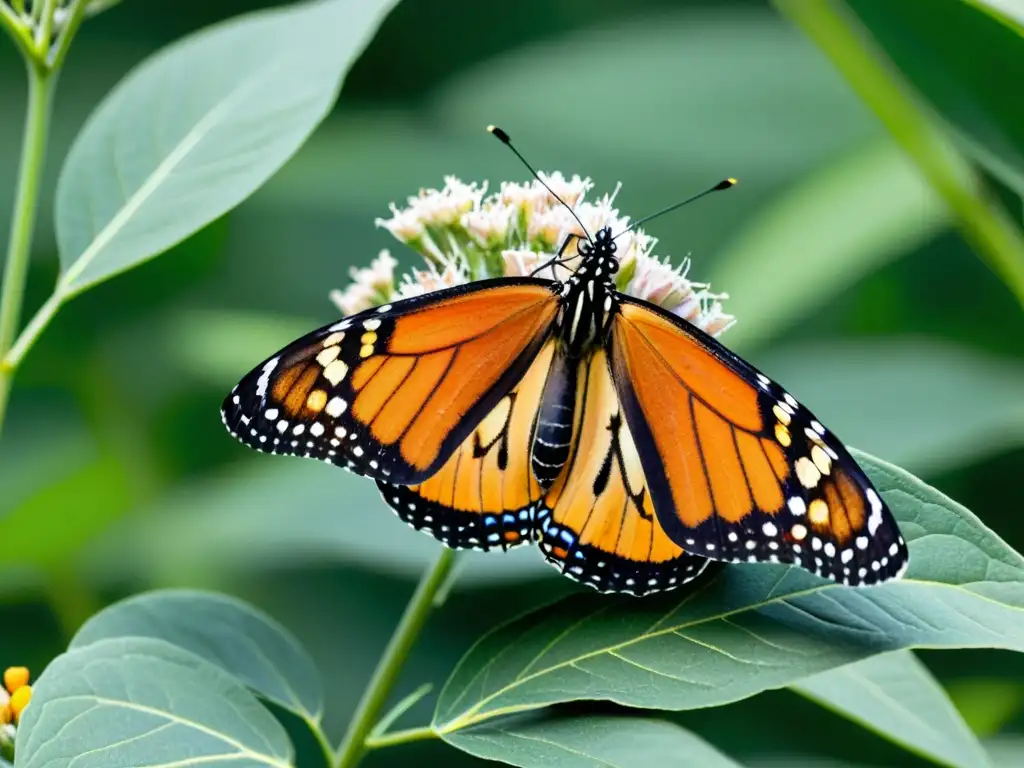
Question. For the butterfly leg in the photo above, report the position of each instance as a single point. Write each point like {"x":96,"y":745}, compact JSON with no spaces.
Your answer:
{"x":557,"y":258}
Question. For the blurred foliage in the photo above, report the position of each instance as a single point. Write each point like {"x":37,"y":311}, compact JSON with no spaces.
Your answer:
{"x":850,"y":283}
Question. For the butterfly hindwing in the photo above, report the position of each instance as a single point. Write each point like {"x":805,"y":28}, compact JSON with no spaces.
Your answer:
{"x":393,"y":391}
{"x":597,"y":523}
{"x":738,"y":470}
{"x":484,"y":496}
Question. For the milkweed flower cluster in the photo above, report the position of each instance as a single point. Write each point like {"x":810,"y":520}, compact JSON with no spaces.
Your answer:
{"x":14,"y":697}
{"x":465,"y":234}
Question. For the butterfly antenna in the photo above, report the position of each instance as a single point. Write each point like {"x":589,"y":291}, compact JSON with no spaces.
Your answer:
{"x":504,"y":139}
{"x":723,"y":184}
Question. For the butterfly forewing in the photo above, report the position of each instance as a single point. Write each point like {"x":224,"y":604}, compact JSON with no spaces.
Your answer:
{"x":739,"y":470}
{"x":597,"y":523}
{"x":393,"y":391}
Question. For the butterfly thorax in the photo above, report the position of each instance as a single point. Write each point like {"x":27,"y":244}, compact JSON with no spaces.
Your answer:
{"x":588,"y":297}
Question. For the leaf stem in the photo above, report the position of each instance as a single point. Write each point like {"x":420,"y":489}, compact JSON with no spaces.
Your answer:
{"x":23,"y":217}
{"x":840,"y":36}
{"x":402,"y":737}
{"x":386,"y":674}
{"x":399,"y":709}
{"x":326,"y":749}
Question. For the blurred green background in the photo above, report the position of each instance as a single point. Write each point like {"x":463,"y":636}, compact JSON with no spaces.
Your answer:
{"x":849,"y":282}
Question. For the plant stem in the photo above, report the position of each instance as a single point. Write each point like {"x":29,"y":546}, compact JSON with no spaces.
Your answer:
{"x":385,"y":675}
{"x":839,"y":34}
{"x":33,"y":154}
{"x":402,"y":737}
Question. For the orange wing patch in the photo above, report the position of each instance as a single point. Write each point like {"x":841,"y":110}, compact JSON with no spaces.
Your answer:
{"x":483,"y":497}
{"x":737,"y":469}
{"x":392,"y":392}
{"x":597,"y":524}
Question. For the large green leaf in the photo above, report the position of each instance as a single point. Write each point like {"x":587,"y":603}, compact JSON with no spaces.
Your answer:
{"x":813,"y":241}
{"x":224,"y":631}
{"x":138,"y":701}
{"x":896,"y":696}
{"x":197,"y":128}
{"x":753,"y":627}
{"x":963,"y":57}
{"x":589,"y":741}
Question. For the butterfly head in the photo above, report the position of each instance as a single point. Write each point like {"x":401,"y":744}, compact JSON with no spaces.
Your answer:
{"x":599,"y":253}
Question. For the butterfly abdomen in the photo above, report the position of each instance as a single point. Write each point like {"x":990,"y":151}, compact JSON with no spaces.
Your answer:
{"x":553,"y":429}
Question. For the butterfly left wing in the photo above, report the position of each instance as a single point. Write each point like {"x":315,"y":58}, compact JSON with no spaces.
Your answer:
{"x":739,"y":470}
{"x":484,"y":496}
{"x":391,"y":392}
{"x":597,"y":523}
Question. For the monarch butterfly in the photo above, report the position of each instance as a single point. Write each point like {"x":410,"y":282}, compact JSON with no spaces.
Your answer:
{"x":632,"y":446}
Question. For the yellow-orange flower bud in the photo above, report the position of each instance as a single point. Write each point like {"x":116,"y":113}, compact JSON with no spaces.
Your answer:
{"x":19,"y":700}
{"x":15,"y":678}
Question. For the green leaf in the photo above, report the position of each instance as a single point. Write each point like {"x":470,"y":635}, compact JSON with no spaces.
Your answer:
{"x":961,"y":56}
{"x":138,"y":701}
{"x":751,"y":628}
{"x":816,"y":239}
{"x":896,"y":696}
{"x":589,"y":741}
{"x":904,"y":398}
{"x":224,"y":631}
{"x":197,"y":128}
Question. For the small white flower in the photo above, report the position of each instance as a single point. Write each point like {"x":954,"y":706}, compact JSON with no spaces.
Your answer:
{"x":433,"y":208}
{"x":420,"y":281}
{"x":713,"y":320}
{"x":370,"y":286}
{"x":489,"y":227}
{"x":404,"y":225}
